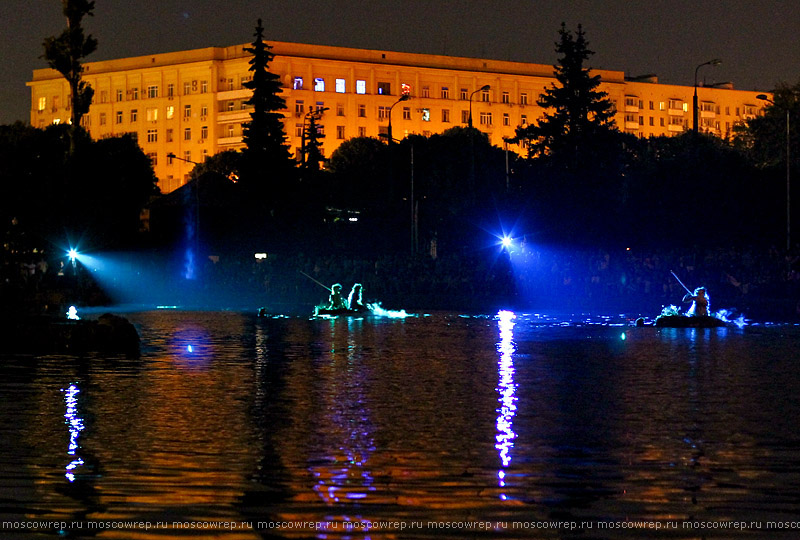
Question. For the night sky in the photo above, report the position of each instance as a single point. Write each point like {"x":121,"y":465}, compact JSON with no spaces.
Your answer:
{"x":757,"y":40}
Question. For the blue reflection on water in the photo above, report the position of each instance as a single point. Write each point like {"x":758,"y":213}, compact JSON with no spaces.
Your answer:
{"x":506,"y":388}
{"x":75,"y":424}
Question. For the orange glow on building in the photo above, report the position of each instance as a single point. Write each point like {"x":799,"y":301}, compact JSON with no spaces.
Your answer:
{"x":191,"y":103}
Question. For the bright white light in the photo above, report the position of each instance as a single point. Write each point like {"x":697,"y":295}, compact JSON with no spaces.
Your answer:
{"x":261,"y":255}
{"x":72,"y":254}
{"x":353,"y":219}
{"x":72,"y":313}
{"x":506,"y":241}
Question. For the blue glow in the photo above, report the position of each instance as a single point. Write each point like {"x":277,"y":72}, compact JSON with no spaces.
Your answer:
{"x":392,"y":314}
{"x":75,"y":424}
{"x":506,"y":388}
{"x":623,"y":337}
{"x":72,"y":254}
{"x":72,"y":314}
{"x":506,"y":241}
{"x":189,"y":348}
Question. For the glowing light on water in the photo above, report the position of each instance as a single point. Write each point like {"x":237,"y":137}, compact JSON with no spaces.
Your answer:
{"x":393,"y":314}
{"x":506,"y":388}
{"x":623,"y":337}
{"x":75,"y":424}
{"x":72,"y":314}
{"x":189,"y":348}
{"x":723,"y":315}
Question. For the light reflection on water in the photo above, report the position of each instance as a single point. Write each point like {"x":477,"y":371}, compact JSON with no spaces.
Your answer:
{"x":434,"y":418}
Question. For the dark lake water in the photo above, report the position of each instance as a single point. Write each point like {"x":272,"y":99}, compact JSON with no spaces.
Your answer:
{"x":430,"y":426}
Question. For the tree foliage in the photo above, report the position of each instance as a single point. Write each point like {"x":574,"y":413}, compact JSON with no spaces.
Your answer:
{"x":65,"y":54}
{"x":576,"y":112}
{"x":266,"y":154}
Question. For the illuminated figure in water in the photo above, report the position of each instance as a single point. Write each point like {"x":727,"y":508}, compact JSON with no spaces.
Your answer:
{"x":699,"y":302}
{"x":335,"y":300}
{"x":355,"y":300}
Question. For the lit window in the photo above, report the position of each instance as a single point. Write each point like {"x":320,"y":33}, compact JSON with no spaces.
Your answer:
{"x":298,"y":83}
{"x":170,"y":111}
{"x":152,"y":135}
{"x":361,"y":87}
{"x":341,"y":86}
{"x":42,"y":103}
{"x":152,"y":91}
{"x":385,"y":88}
{"x":426,"y":115}
{"x":319,"y":84}
{"x":152,"y":114}
{"x":405,"y":89}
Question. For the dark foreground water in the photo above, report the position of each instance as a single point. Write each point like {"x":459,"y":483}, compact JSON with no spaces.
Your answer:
{"x":440,"y":426}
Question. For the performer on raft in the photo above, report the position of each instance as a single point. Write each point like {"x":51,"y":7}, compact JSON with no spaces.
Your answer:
{"x":699,"y":302}
{"x":335,"y":300}
{"x":355,"y":301}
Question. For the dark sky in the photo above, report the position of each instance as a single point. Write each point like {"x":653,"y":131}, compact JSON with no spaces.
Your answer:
{"x":758,"y":40}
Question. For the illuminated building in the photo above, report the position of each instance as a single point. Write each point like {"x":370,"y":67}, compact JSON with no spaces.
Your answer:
{"x":191,"y":103}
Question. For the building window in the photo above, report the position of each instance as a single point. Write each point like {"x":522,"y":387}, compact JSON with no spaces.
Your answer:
{"x":675,"y":104}
{"x":187,"y":111}
{"x":445,"y":92}
{"x":171,"y":90}
{"x":299,"y":107}
{"x":506,"y":98}
{"x":134,"y":115}
{"x":120,"y":94}
{"x":204,"y":87}
{"x":446,"y":116}
{"x":152,"y":91}
{"x":361,"y":87}
{"x":662,"y":122}
{"x":203,"y":111}
{"x":651,"y":105}
{"x":383,"y":113}
{"x":319,"y":84}
{"x":119,"y":117}
{"x":523,"y":99}
{"x":384,"y":88}
{"x":152,"y":114}
{"x":298,"y":130}
{"x":187,"y":134}
{"x":426,"y":115}
{"x":231,"y":130}
{"x":187,"y":155}
{"x":320,"y":106}
{"x":298,"y":83}
{"x":231,"y":106}
{"x":42,"y":103}
{"x":103,"y":96}
{"x":341,"y":86}
{"x":426,"y":91}
{"x":362,"y":131}
{"x":339,"y":109}
{"x":169,"y":135}
{"x":204,"y":132}
{"x":651,"y":121}
{"x":524,"y":119}
{"x":340,"y":132}
{"x":486,"y":118}
{"x":187,"y":88}
{"x":405,"y":89}
{"x":464,"y":94}
{"x":362,"y":111}
{"x":506,"y":119}
{"x":631,"y":101}
{"x":153,"y":158}
{"x":406,"y":113}
{"x":152,"y":135}
{"x":464,"y":117}
{"x":170,"y":111}
{"x":135,"y":93}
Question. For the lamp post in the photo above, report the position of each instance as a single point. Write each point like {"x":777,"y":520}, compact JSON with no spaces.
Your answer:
{"x":714,"y":62}
{"x":484,"y":88}
{"x":764,"y":97}
{"x":404,"y":97}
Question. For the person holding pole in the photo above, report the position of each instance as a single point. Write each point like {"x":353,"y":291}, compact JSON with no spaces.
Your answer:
{"x":699,"y":299}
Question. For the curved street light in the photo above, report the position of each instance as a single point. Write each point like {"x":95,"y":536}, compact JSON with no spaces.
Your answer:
{"x":404,"y":97}
{"x":714,"y":62}
{"x":484,"y":88}
{"x":766,"y":98}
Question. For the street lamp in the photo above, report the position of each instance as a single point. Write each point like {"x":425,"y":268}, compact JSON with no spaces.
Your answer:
{"x":766,"y":98}
{"x":484,"y":88}
{"x":404,"y":97}
{"x":714,"y":62}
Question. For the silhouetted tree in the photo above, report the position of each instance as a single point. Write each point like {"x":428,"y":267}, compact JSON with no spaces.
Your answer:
{"x":312,"y":146}
{"x":580,"y":112}
{"x":65,"y":54}
{"x":266,"y":156}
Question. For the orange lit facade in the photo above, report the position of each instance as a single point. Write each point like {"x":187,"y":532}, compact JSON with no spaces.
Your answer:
{"x":191,"y":103}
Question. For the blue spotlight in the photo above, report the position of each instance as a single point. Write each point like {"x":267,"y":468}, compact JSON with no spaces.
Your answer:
{"x":72,"y":254}
{"x":506,"y":241}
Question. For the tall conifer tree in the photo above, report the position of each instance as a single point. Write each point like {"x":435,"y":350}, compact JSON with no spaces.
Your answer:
{"x":266,"y":152}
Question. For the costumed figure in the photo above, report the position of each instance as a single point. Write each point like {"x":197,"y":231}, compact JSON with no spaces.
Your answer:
{"x":355,"y":301}
{"x":700,"y":302}
{"x":335,"y":300}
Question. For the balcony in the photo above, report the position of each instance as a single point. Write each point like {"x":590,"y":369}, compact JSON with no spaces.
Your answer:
{"x":234,"y":94}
